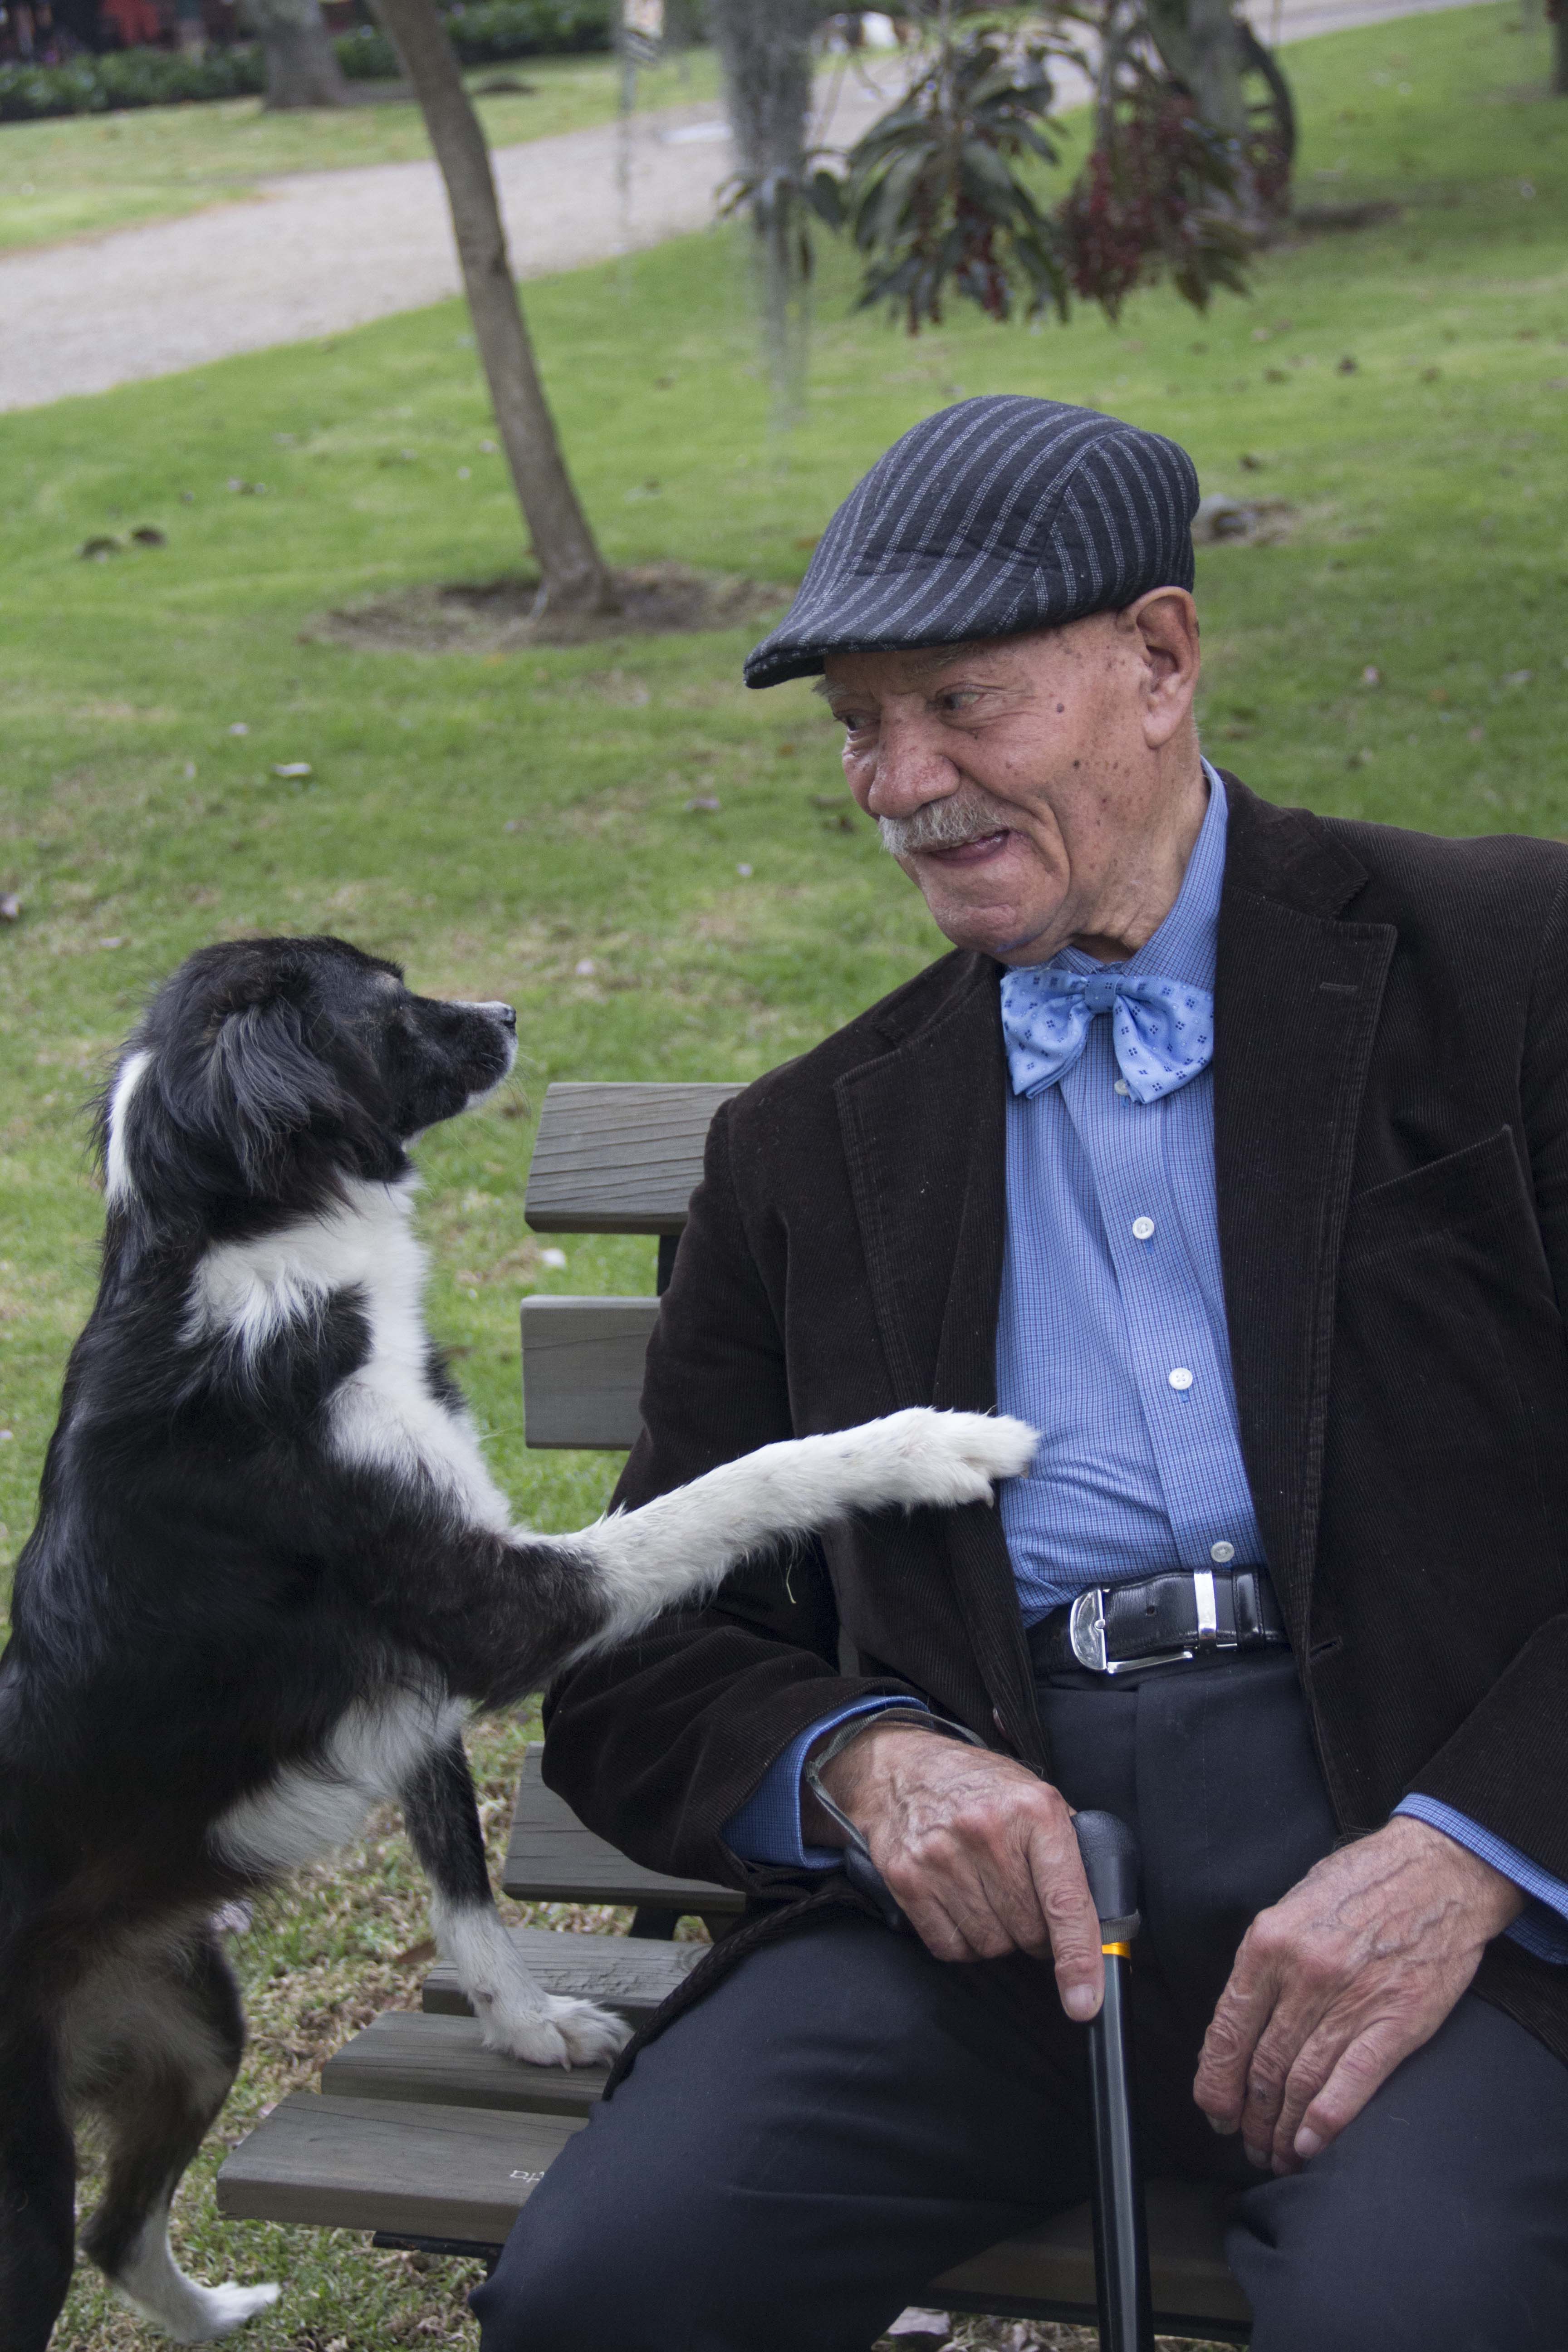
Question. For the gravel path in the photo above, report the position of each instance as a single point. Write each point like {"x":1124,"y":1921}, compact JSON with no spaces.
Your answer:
{"x":321,"y":251}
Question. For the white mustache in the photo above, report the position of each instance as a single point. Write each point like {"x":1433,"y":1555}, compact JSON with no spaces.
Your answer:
{"x":966,"y":815}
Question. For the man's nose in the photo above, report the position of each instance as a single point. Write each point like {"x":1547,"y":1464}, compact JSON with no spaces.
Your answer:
{"x":909,"y":770}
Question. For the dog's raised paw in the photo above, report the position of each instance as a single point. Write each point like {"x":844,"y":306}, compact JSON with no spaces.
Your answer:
{"x":944,"y":1458}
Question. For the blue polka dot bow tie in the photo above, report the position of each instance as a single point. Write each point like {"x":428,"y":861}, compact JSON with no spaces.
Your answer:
{"x":1162,"y":1030}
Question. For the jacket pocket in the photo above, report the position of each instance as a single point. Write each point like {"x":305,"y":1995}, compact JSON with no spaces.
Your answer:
{"x":1482,"y":1179}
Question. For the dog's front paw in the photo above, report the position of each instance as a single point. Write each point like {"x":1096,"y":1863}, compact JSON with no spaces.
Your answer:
{"x":947,"y":1458}
{"x":561,"y":2032}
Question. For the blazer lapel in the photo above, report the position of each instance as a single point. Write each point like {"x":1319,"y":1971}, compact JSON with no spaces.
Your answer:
{"x":1296,"y":996}
{"x":924,"y":1138}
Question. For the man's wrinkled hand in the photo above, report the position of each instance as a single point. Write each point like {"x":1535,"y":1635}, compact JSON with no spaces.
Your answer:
{"x":1336,"y":1983}
{"x":979,"y":1853}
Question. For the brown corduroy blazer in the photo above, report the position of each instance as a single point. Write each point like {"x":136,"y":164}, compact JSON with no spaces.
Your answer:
{"x":1391,"y":1144}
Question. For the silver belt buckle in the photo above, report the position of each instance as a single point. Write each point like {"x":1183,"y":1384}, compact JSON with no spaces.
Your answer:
{"x":1086,"y":1630}
{"x":1086,"y":1636}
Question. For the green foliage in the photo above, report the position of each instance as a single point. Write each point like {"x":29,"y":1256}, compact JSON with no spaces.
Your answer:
{"x":124,"y":79}
{"x":500,"y":823}
{"x":943,"y":193}
{"x":931,"y":194}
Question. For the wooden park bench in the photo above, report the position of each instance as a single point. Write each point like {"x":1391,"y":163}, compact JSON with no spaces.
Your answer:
{"x":425,"y":2139}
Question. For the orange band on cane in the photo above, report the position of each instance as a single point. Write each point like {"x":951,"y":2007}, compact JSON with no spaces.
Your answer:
{"x":1117,"y":1951}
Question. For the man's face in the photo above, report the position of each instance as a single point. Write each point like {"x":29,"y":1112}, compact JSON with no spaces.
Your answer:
{"x":1040,"y":788}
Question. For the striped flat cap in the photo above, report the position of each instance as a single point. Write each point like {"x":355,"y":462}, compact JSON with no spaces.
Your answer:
{"x":999,"y":515}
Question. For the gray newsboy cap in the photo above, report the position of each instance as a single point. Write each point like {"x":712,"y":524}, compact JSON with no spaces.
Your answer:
{"x":999,"y":515}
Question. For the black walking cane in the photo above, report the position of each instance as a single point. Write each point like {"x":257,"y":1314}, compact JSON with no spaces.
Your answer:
{"x":1109,"y":1854}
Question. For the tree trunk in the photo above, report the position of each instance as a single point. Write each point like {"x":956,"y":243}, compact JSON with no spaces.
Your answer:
{"x":1558,"y":12}
{"x":575,"y":575}
{"x":302,"y":66}
{"x":764,"y":50}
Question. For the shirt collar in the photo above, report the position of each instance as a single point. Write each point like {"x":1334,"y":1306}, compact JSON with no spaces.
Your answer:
{"x":1183,"y":949}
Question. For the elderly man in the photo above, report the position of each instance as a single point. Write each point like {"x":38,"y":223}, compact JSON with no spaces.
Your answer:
{"x":1229,"y":1149}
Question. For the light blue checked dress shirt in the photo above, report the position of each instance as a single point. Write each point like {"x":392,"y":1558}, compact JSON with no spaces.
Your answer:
{"x":1112,"y":1339}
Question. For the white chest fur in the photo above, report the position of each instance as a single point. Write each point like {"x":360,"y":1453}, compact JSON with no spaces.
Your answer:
{"x":384,"y":1415}
{"x":309,"y":1809}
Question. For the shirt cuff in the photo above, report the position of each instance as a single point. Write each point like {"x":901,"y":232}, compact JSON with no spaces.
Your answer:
{"x":1541,"y":1927}
{"x":766,"y":1828}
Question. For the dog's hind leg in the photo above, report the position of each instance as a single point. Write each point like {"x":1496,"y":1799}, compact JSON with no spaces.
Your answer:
{"x":38,"y":2190}
{"x":158,"y":2040}
{"x":517,"y":2015}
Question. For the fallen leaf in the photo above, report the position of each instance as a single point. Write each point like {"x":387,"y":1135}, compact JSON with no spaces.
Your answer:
{"x":100,"y":550}
{"x":147,"y":535}
{"x":293,"y":768}
{"x":702,"y":800}
{"x":1347,"y":366}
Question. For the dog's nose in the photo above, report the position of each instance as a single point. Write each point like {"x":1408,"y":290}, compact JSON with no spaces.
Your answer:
{"x":507,"y":1015}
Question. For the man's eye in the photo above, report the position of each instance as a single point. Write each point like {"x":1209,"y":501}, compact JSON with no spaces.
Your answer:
{"x":856,"y":723}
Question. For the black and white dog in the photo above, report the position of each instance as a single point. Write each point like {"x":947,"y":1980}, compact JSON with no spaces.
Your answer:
{"x":270,"y":1575}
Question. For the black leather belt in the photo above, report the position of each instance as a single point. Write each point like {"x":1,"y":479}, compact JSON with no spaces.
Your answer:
{"x":1159,"y":1621}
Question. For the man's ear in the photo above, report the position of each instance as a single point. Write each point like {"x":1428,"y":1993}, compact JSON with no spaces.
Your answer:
{"x":1166,"y":620}
{"x":264,"y":1086}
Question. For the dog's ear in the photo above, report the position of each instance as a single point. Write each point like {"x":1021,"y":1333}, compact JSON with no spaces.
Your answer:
{"x":268,"y":1088}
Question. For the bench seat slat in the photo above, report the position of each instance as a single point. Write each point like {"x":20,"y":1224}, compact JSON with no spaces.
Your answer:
{"x":552,"y":1858}
{"x":374,"y":2163}
{"x":619,"y":1159}
{"x":628,"y":1974}
{"x":407,"y":2054}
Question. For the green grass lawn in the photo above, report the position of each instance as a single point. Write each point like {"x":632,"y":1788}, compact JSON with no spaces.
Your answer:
{"x":85,"y":174}
{"x":503,"y":824}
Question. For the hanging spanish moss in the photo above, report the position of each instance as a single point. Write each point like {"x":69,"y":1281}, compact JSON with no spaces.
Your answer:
{"x":766,"y":50}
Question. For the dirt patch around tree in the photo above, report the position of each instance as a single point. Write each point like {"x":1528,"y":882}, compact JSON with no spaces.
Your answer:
{"x":501,"y":615}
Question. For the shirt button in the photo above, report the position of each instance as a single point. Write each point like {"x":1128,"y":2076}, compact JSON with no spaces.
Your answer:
{"x":1121,"y":1088}
{"x":1221,"y":1552}
{"x":1143,"y":1229}
{"x":1181,"y":1378}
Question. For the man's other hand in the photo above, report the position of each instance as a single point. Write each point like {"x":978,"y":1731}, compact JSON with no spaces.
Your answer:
{"x":1349,"y":1973}
{"x":980,"y":1854}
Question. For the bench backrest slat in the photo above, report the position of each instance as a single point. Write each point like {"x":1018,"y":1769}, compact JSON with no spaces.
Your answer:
{"x":582,"y":1370}
{"x":619,"y":1159}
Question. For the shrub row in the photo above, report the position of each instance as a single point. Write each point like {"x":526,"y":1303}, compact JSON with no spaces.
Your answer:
{"x":483,"y":34}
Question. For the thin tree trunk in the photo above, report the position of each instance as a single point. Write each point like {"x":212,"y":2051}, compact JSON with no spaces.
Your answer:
{"x":575,"y":575}
{"x":1558,"y":12}
{"x":302,"y":66}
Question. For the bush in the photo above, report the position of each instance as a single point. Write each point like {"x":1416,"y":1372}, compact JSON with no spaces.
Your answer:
{"x":481,"y":34}
{"x":493,"y":29}
{"x":126,"y":78}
